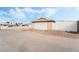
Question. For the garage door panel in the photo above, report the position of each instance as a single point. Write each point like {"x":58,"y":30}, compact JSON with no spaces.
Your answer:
{"x":40,"y":26}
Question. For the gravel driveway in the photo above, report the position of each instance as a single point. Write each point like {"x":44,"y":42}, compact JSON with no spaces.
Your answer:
{"x":28,"y":41}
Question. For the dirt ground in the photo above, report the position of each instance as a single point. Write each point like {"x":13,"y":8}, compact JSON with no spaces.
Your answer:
{"x":72,"y":35}
{"x":31,"y":41}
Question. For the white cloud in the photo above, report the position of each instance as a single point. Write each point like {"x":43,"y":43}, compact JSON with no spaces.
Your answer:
{"x":12,"y":15}
{"x":47,"y":12}
{"x":3,"y":18}
{"x":31,"y":10}
{"x":2,"y":12}
{"x":17,"y":13}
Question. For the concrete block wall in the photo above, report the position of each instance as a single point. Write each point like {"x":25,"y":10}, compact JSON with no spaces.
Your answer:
{"x":70,"y":26}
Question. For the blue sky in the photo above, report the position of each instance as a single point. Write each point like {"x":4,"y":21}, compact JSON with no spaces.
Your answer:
{"x":27,"y":14}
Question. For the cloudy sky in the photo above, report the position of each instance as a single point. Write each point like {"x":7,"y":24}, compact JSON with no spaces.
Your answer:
{"x":27,"y":14}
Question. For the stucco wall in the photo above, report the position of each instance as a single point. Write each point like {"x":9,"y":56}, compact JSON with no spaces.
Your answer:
{"x":65,"y":26}
{"x":40,"y":26}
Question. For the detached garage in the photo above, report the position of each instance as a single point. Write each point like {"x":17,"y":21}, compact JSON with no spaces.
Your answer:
{"x":42,"y":24}
{"x":47,"y":24}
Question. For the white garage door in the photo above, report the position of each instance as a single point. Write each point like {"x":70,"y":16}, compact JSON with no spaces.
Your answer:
{"x":40,"y":26}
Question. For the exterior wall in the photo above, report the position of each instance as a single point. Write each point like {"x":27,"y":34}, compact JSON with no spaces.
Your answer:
{"x":70,"y":26}
{"x":65,"y":26}
{"x":49,"y":25}
{"x":40,"y":26}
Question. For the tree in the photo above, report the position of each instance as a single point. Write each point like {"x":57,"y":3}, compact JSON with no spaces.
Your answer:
{"x":17,"y":24}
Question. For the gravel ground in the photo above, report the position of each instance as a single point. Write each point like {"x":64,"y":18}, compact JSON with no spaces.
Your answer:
{"x":28,"y":41}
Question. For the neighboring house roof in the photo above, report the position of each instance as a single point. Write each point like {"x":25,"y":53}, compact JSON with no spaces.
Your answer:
{"x":6,"y":24}
{"x":3,"y":23}
{"x":43,"y":20}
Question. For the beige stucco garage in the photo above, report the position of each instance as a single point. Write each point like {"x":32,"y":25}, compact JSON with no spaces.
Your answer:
{"x":42,"y":24}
